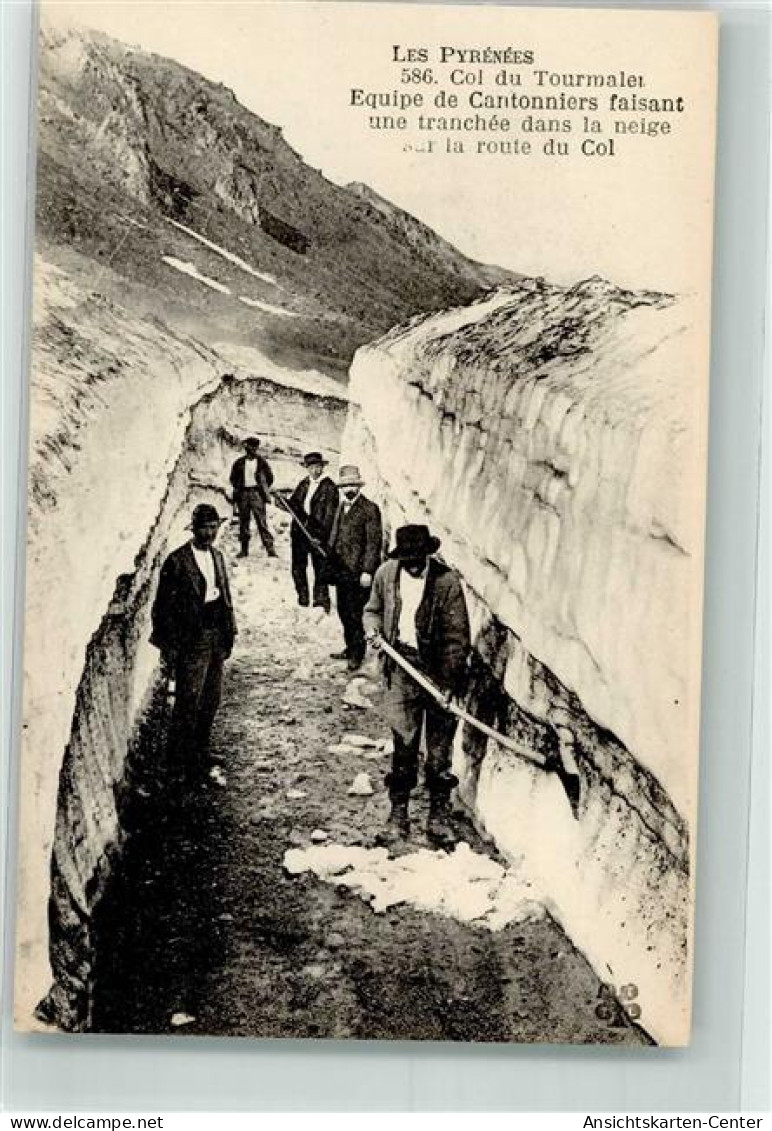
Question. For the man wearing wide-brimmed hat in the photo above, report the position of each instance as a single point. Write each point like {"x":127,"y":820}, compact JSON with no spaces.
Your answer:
{"x":355,"y":552}
{"x":418,"y":606}
{"x":314,"y":501}
{"x":194,"y":628}
{"x":251,"y":479}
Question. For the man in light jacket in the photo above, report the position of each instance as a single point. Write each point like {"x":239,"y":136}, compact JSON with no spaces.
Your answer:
{"x":418,"y":606}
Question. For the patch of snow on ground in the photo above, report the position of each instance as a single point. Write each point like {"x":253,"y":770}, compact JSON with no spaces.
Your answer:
{"x":235,"y":259}
{"x":464,"y":885}
{"x":192,"y":270}
{"x":267,"y":307}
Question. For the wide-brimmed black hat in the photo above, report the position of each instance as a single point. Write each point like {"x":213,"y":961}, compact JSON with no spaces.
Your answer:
{"x":414,"y":541}
{"x":203,"y":514}
{"x":310,"y":459}
{"x":251,"y":442}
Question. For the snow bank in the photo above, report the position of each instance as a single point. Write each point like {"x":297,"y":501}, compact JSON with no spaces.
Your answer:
{"x":553,"y":437}
{"x":111,"y":483}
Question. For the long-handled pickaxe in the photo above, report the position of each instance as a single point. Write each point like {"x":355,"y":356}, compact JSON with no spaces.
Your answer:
{"x":569,"y":779}
{"x":279,"y":499}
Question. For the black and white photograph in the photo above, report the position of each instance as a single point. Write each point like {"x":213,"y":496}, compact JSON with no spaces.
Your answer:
{"x":364,"y":573}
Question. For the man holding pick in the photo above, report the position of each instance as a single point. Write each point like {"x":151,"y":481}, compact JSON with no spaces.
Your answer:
{"x":418,"y":606}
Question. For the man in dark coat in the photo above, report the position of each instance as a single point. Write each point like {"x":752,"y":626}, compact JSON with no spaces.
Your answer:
{"x":251,"y":479}
{"x":418,"y":606}
{"x":355,"y":550}
{"x":194,"y":628}
{"x":315,"y":502}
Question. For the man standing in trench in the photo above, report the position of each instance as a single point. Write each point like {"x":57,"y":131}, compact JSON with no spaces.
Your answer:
{"x":315,"y":502}
{"x":418,"y":606}
{"x":355,"y":548}
{"x":251,"y":479}
{"x":194,"y":628}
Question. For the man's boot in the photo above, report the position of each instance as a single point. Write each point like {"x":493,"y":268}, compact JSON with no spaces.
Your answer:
{"x":397,"y":828}
{"x":244,"y":551}
{"x":439,"y":827}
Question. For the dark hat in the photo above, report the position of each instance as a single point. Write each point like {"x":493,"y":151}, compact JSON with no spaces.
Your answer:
{"x":203,"y":514}
{"x":414,"y":542}
{"x":313,"y":458}
{"x":251,"y":442}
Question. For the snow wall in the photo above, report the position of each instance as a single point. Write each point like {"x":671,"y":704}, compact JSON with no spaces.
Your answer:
{"x":552,"y":437}
{"x":131,"y":425}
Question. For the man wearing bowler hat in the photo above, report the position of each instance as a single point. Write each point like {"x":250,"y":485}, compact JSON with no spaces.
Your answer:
{"x":418,"y":606}
{"x":251,"y":479}
{"x":355,"y":551}
{"x":315,"y":502}
{"x":194,"y":628}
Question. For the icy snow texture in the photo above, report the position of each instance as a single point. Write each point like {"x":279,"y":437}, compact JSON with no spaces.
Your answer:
{"x":109,"y":490}
{"x":464,"y":885}
{"x":554,"y":439}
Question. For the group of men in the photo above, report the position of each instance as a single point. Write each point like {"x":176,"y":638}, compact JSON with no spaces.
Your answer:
{"x":411,"y":600}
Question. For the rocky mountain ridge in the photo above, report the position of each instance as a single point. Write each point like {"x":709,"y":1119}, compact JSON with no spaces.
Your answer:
{"x":130,"y":140}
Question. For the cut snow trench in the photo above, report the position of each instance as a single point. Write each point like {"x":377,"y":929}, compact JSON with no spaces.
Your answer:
{"x":119,"y":681}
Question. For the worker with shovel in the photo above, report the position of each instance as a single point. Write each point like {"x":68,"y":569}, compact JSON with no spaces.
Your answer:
{"x":417,"y":610}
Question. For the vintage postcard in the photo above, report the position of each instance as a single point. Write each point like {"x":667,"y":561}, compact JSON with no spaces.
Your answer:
{"x":366,"y":500}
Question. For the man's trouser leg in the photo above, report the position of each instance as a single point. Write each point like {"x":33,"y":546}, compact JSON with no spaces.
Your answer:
{"x":403,"y":777}
{"x":299,"y":551}
{"x":257,"y":506}
{"x":352,"y":599}
{"x":242,"y":503}
{"x":190,"y":676}
{"x":440,"y":730}
{"x":209,"y":699}
{"x":406,"y":713}
{"x":321,"y":588}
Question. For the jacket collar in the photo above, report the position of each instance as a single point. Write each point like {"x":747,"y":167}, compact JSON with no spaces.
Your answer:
{"x":435,"y":569}
{"x":194,"y":573}
{"x":197,"y":577}
{"x":346,"y":505}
